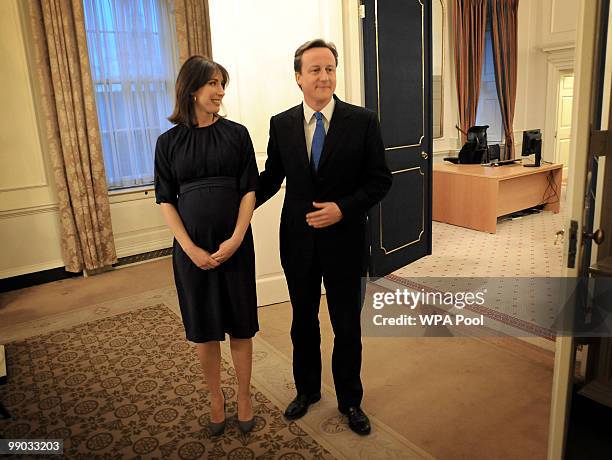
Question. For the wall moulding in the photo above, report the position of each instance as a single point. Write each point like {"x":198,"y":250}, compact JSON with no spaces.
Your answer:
{"x":560,"y":53}
{"x":131,"y":194}
{"x":29,"y":211}
{"x":42,"y":183}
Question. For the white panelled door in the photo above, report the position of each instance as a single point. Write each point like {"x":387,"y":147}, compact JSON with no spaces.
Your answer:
{"x":564,"y":119}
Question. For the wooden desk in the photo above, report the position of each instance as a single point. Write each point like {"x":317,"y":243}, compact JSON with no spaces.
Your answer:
{"x":474,"y":196}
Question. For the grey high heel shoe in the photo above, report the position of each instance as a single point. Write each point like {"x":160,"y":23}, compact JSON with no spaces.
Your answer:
{"x":245,"y":425}
{"x":218,"y":428}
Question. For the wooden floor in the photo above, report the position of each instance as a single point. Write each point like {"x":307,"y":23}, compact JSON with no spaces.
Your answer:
{"x":453,"y":397}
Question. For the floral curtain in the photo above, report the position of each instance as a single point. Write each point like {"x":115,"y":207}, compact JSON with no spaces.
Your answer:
{"x":66,"y":100}
{"x":192,"y":28}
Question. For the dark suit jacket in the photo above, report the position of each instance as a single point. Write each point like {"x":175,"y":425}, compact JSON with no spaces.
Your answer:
{"x":352,"y":173}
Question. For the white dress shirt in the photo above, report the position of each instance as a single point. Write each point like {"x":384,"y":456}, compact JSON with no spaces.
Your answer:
{"x":310,"y":121}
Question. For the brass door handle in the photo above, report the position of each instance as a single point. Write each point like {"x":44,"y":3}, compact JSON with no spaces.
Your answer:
{"x":597,"y":236}
{"x":424,"y":155}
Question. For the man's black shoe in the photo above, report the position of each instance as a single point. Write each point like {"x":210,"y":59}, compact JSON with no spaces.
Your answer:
{"x":358,"y":421}
{"x":299,"y":406}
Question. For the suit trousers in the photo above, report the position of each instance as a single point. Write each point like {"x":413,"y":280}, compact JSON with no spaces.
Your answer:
{"x":344,"y":300}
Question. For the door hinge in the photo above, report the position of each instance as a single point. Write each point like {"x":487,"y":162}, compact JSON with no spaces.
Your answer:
{"x":362,"y":11}
{"x":599,"y":143}
{"x":573,"y":244}
{"x":369,"y":245}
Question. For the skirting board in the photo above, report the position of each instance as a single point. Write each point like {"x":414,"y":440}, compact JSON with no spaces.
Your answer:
{"x":271,"y":289}
{"x":27,"y":269}
{"x":35,"y":278}
{"x":132,"y":245}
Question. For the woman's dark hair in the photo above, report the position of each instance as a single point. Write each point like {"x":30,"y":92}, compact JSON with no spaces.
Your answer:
{"x":195,"y":73}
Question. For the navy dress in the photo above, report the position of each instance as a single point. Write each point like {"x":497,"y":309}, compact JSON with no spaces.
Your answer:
{"x":204,"y":173}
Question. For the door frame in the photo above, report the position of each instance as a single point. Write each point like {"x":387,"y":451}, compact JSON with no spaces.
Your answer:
{"x":576,"y":188}
{"x":353,"y":53}
{"x":560,"y":59}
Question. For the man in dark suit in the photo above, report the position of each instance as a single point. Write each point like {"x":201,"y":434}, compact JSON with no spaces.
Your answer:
{"x":332,"y":155}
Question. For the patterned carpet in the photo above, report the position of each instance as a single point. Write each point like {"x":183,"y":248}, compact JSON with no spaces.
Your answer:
{"x":130,"y":385}
{"x":523,"y":249}
{"x":118,"y":380}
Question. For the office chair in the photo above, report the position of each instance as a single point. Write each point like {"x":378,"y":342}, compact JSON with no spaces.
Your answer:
{"x":475,"y":150}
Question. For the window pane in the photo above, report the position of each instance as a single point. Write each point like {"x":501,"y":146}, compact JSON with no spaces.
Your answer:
{"x":133,"y":57}
{"x":488,"y":104}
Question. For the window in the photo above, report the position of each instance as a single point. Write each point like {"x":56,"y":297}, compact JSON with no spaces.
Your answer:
{"x":133,"y":58}
{"x":488,"y":112}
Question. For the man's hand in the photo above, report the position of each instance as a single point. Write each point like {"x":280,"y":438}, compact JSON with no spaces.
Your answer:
{"x":328,"y":214}
{"x":201,"y":258}
{"x":226,"y":250}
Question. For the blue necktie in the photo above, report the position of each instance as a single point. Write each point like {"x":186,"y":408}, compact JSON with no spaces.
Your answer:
{"x":317,"y":142}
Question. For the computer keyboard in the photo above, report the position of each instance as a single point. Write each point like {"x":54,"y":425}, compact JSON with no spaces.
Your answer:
{"x":502,"y":162}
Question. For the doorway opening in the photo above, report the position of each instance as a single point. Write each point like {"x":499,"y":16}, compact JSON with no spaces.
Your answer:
{"x":562,"y":137}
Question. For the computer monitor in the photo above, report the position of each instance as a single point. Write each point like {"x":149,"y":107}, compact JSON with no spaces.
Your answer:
{"x":532,"y":144}
{"x":494,"y":153}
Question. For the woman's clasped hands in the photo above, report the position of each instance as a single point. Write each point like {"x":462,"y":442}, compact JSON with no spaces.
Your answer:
{"x":207,"y":261}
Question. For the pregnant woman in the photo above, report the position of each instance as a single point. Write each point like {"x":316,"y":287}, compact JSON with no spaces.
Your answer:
{"x":205,"y":178}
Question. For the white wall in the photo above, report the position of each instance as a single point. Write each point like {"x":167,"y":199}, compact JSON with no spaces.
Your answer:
{"x":29,"y":222}
{"x":258,"y":52}
{"x":547,"y":47}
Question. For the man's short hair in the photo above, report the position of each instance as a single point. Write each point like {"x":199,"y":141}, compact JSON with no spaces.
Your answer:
{"x":316,"y":43}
